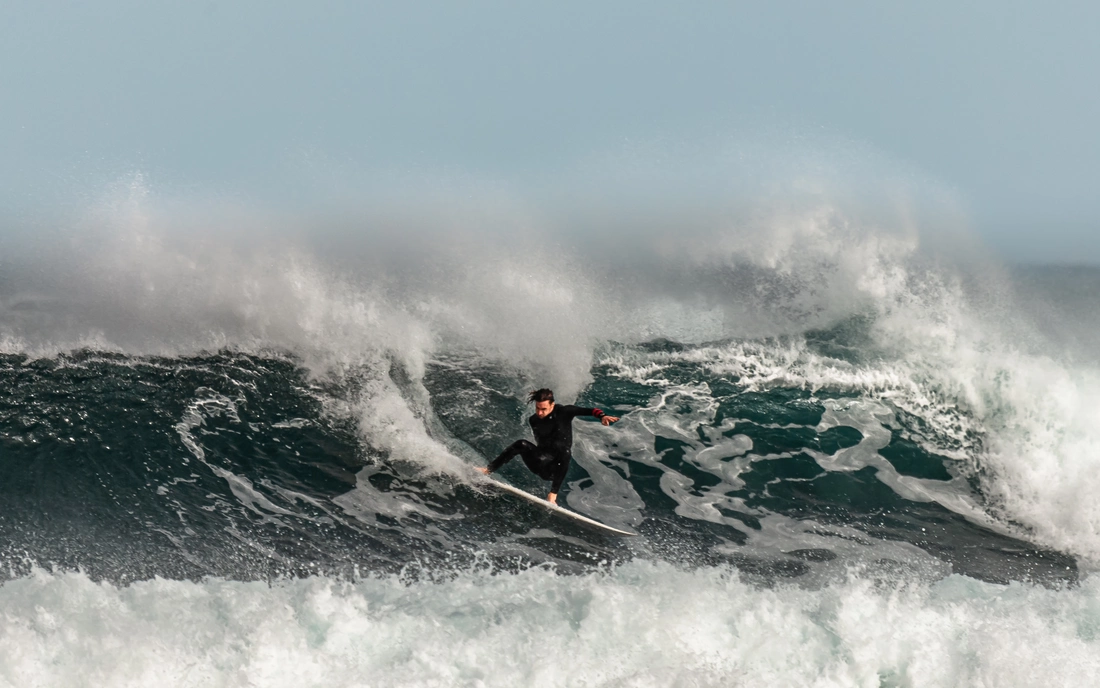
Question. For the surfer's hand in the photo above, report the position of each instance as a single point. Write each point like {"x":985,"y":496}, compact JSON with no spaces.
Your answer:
{"x":608,"y":420}
{"x":552,"y":497}
{"x":483,"y":469}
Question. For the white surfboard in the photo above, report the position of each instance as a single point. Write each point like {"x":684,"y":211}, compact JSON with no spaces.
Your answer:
{"x":555,"y":508}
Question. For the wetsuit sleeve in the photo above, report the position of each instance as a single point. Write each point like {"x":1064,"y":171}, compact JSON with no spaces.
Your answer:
{"x":575,"y":411}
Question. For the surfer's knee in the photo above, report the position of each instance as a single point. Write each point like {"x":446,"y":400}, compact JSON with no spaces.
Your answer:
{"x":522,"y":447}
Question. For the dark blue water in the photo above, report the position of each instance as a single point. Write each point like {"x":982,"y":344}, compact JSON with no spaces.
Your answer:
{"x":237,"y":465}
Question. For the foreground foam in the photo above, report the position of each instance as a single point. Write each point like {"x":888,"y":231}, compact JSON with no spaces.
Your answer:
{"x":640,"y":624}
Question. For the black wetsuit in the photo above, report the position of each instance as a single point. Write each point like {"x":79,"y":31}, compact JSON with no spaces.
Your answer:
{"x":550,"y":459}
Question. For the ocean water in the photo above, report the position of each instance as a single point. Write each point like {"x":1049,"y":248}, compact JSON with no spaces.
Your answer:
{"x":237,"y":455}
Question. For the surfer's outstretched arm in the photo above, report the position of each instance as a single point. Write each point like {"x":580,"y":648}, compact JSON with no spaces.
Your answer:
{"x":574,"y":411}
{"x":603,"y":417}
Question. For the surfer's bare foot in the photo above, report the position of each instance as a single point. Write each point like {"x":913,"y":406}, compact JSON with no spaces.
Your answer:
{"x":552,"y":498}
{"x":483,"y":469}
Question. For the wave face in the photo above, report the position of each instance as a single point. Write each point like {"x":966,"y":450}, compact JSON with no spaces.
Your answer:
{"x":248,"y":460}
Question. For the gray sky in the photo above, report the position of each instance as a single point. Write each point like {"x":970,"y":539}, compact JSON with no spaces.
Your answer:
{"x":996,"y":101}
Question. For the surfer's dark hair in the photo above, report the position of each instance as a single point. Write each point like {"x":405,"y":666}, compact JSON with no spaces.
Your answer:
{"x":543,"y":394}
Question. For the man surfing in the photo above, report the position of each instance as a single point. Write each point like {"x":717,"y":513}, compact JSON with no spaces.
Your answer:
{"x":549,"y":459}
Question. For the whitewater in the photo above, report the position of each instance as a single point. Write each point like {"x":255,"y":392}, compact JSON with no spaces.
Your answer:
{"x":237,"y":448}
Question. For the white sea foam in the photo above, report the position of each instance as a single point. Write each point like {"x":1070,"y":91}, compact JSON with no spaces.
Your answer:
{"x":641,"y":624}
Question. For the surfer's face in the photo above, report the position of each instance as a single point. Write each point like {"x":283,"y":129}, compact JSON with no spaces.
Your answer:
{"x":543,"y":408}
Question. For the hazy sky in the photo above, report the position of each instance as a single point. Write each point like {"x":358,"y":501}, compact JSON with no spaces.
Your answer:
{"x":996,"y":101}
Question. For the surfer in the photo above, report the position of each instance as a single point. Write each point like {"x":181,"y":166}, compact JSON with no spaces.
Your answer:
{"x":552,"y":424}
